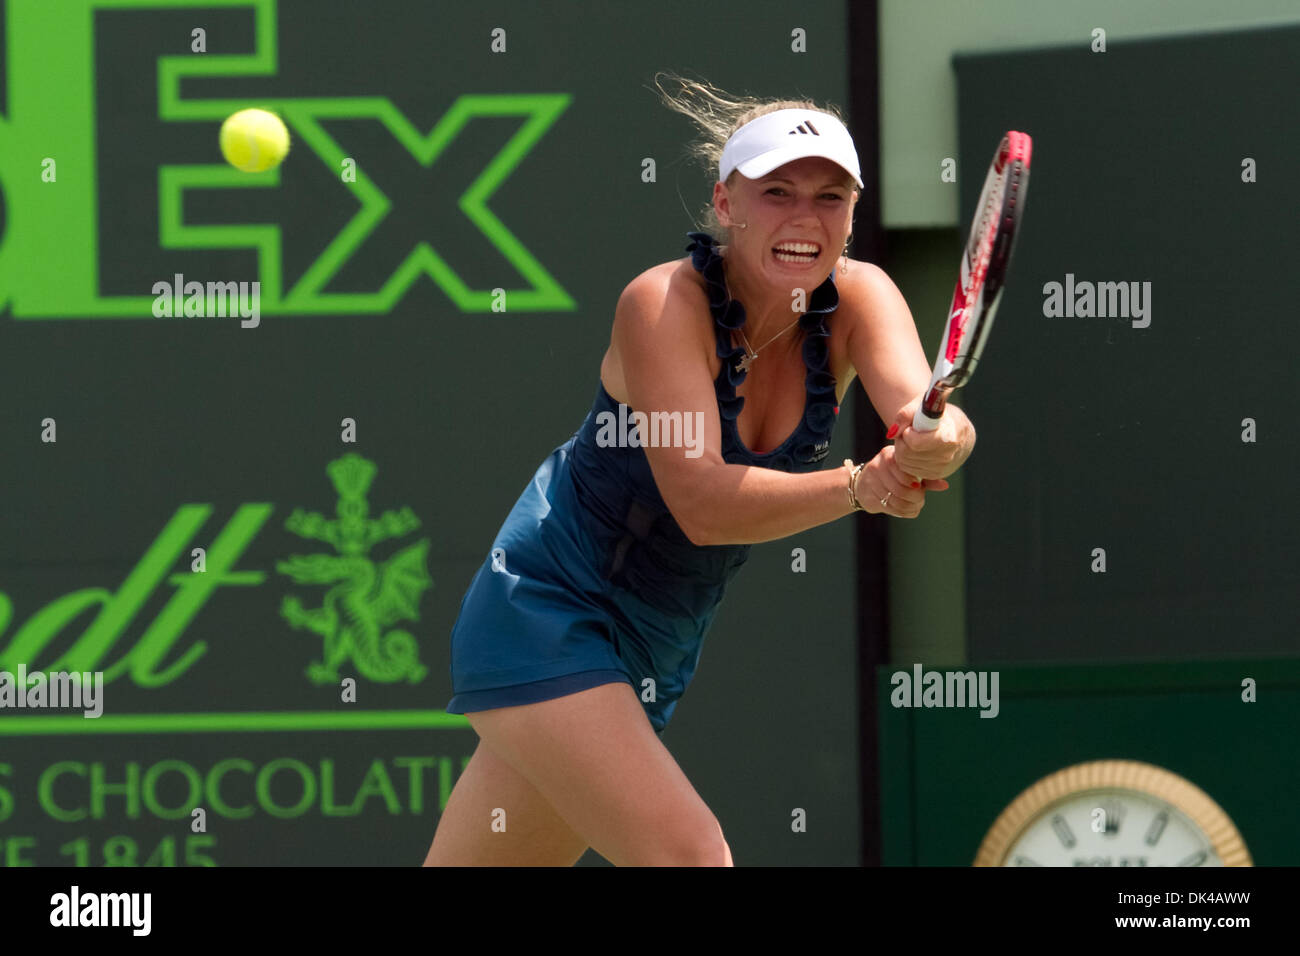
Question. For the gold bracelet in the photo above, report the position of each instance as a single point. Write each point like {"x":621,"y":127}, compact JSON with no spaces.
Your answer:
{"x":853,"y":480}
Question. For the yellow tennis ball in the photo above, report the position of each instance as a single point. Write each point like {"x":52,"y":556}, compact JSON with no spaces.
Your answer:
{"x":254,"y":140}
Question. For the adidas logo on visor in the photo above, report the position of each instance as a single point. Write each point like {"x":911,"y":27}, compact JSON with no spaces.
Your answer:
{"x":805,"y":127}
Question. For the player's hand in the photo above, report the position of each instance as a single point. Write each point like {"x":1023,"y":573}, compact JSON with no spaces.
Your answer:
{"x":882,"y":479}
{"x":931,"y":456}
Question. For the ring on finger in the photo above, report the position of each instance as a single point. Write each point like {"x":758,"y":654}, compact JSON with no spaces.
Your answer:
{"x":884,"y":502}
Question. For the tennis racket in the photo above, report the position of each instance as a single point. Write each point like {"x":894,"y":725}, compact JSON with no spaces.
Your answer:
{"x":983,"y":272}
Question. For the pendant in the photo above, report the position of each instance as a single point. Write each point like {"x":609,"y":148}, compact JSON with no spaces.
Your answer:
{"x":745,"y":363}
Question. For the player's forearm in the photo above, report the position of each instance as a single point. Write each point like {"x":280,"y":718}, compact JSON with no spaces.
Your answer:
{"x":742,"y":504}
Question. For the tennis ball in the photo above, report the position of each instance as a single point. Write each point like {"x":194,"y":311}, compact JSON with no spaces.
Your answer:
{"x":254,"y":140}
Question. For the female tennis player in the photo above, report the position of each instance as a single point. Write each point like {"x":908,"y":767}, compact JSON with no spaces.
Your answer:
{"x":583,"y":626}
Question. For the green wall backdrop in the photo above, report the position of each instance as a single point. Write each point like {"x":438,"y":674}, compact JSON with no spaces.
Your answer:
{"x":183,"y":433}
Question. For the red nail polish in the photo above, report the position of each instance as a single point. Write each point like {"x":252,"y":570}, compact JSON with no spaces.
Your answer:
{"x":837,"y":409}
{"x":893,"y":430}
{"x":916,"y":484}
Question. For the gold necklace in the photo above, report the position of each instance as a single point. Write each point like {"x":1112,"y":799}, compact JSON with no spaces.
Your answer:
{"x":744,"y":364}
{"x":751,"y":353}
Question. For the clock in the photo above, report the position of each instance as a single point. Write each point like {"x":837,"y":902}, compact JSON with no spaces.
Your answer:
{"x":1113,"y":813}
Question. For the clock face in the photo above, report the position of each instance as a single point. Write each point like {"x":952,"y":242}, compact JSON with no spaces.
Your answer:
{"x":1112,"y":827}
{"x":1113,"y":813}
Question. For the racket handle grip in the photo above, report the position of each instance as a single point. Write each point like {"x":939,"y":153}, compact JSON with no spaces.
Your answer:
{"x":930,"y":411}
{"x":923,"y":422}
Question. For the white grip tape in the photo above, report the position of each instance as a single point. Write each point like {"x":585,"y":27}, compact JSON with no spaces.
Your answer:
{"x":923,"y":422}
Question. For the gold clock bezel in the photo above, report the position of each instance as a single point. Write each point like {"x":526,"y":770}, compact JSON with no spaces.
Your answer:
{"x":1162,"y":784}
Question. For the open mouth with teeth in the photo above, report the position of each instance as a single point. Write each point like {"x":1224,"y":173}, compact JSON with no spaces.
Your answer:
{"x":797,"y":252}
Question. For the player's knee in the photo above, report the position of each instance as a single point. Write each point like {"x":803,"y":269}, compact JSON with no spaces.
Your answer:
{"x":712,"y":851}
{"x":703,"y":846}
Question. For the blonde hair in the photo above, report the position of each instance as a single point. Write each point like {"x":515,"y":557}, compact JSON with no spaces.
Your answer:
{"x":718,"y":115}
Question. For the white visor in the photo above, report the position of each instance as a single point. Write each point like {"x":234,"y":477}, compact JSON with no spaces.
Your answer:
{"x":783,"y":136}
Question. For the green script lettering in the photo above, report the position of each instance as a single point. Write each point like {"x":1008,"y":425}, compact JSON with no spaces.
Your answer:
{"x":118,"y":610}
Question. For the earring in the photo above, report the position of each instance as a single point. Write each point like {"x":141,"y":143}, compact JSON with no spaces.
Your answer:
{"x":844,"y":267}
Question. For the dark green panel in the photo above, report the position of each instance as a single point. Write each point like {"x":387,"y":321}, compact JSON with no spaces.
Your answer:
{"x":1095,"y":433}
{"x":949,"y":772}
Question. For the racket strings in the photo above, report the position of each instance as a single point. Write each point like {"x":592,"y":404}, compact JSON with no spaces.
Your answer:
{"x":986,"y":233}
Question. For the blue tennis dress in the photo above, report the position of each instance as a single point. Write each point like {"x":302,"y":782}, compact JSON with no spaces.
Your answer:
{"x":590,"y":580}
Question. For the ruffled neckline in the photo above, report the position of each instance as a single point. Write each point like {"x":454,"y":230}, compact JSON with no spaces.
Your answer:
{"x":729,"y":314}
